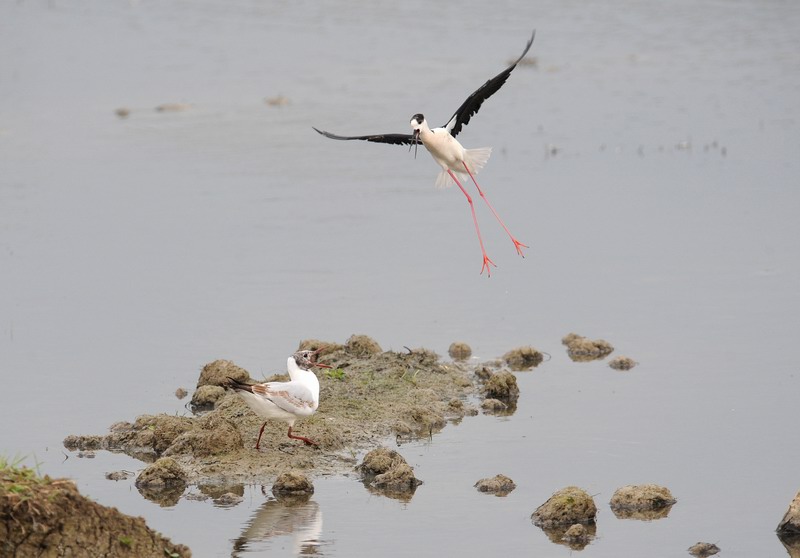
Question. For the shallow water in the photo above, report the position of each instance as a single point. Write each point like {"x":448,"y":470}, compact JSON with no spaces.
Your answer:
{"x":649,"y":159}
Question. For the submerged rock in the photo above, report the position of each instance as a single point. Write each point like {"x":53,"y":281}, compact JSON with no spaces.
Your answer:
{"x":499,"y":485}
{"x":568,"y":506}
{"x":48,"y":518}
{"x":644,"y":501}
{"x":459,"y":351}
{"x":622,"y":363}
{"x":523,"y":358}
{"x":388,"y":470}
{"x":502,"y":386}
{"x":581,"y":349}
{"x":703,"y":549}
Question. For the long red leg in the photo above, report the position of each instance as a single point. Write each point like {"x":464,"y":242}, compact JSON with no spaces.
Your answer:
{"x":306,"y":440}
{"x":486,"y":260}
{"x":260,"y":432}
{"x":517,"y":244}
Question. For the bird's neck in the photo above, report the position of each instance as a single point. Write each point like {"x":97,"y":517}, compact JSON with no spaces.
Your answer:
{"x":306,"y":377}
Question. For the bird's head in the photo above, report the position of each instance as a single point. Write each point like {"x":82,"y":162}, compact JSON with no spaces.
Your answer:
{"x":417,"y":124}
{"x":308,"y":359}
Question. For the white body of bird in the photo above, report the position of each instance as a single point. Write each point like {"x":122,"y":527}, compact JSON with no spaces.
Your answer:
{"x":286,"y":401}
{"x":448,"y":152}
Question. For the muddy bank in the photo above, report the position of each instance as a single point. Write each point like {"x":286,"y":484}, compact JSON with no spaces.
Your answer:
{"x":367,"y":395}
{"x":40,"y":516}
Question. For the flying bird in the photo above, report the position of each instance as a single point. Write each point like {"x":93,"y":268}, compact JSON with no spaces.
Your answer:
{"x":455,"y":160}
{"x":286,"y":401}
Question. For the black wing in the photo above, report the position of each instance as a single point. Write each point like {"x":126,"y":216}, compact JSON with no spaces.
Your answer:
{"x":396,"y":139}
{"x":474,"y":101}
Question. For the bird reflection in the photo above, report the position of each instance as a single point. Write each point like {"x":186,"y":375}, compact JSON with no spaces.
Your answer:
{"x":298,"y":517}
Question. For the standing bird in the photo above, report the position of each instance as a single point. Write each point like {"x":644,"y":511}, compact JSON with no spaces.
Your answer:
{"x":441,"y":143}
{"x":286,"y":401}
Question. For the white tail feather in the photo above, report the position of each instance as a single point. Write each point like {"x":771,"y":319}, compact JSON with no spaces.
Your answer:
{"x":474,"y":158}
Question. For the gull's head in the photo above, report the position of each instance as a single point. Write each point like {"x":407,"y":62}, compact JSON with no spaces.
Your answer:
{"x":308,"y":359}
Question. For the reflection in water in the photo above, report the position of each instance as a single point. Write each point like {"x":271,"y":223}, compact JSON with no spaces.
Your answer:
{"x":165,"y":496}
{"x":297,"y":516}
{"x":642,"y":515}
{"x":560,"y":535}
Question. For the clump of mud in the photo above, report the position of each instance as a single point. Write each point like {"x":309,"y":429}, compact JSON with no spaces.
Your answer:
{"x":562,"y":511}
{"x":523,"y":358}
{"x":499,"y":485}
{"x":644,"y":501}
{"x":388,"y":472}
{"x":566,"y":507}
{"x":703,"y":549}
{"x":217,"y":373}
{"x":790,"y":524}
{"x":40,"y":516}
{"x":292,"y":483}
{"x":494,"y":406}
{"x":362,"y":346}
{"x":581,"y":349}
{"x":502,"y":386}
{"x":622,"y":363}
{"x":164,"y":472}
{"x":459,"y":351}
{"x":362,"y":398}
{"x":206,"y":396}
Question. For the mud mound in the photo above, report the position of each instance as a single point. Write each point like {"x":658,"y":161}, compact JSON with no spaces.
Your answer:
{"x":459,"y":351}
{"x":205,"y":397}
{"x":388,"y":471}
{"x":502,"y":386}
{"x":644,"y":501}
{"x":622,"y":363}
{"x":217,"y":373}
{"x":292,"y":482}
{"x":523,"y":358}
{"x":362,"y":345}
{"x":49,"y":518}
{"x":163,"y":472}
{"x":703,"y":549}
{"x":790,"y":524}
{"x":499,"y":485}
{"x":581,"y":349}
{"x":566,"y":507}
{"x":362,"y":398}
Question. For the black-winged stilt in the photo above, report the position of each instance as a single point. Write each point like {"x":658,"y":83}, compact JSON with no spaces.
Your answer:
{"x":449,"y":153}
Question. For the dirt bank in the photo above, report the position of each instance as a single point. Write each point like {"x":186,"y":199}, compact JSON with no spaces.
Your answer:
{"x":45,"y":517}
{"x":367,"y":395}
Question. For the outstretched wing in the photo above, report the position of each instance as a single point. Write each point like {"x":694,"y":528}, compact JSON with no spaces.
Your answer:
{"x":396,"y":139}
{"x":469,"y":107}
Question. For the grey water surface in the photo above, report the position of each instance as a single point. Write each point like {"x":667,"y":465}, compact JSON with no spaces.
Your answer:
{"x":648,"y":156}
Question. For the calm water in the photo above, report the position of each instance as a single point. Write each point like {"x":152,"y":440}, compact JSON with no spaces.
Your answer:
{"x":649,"y":159}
